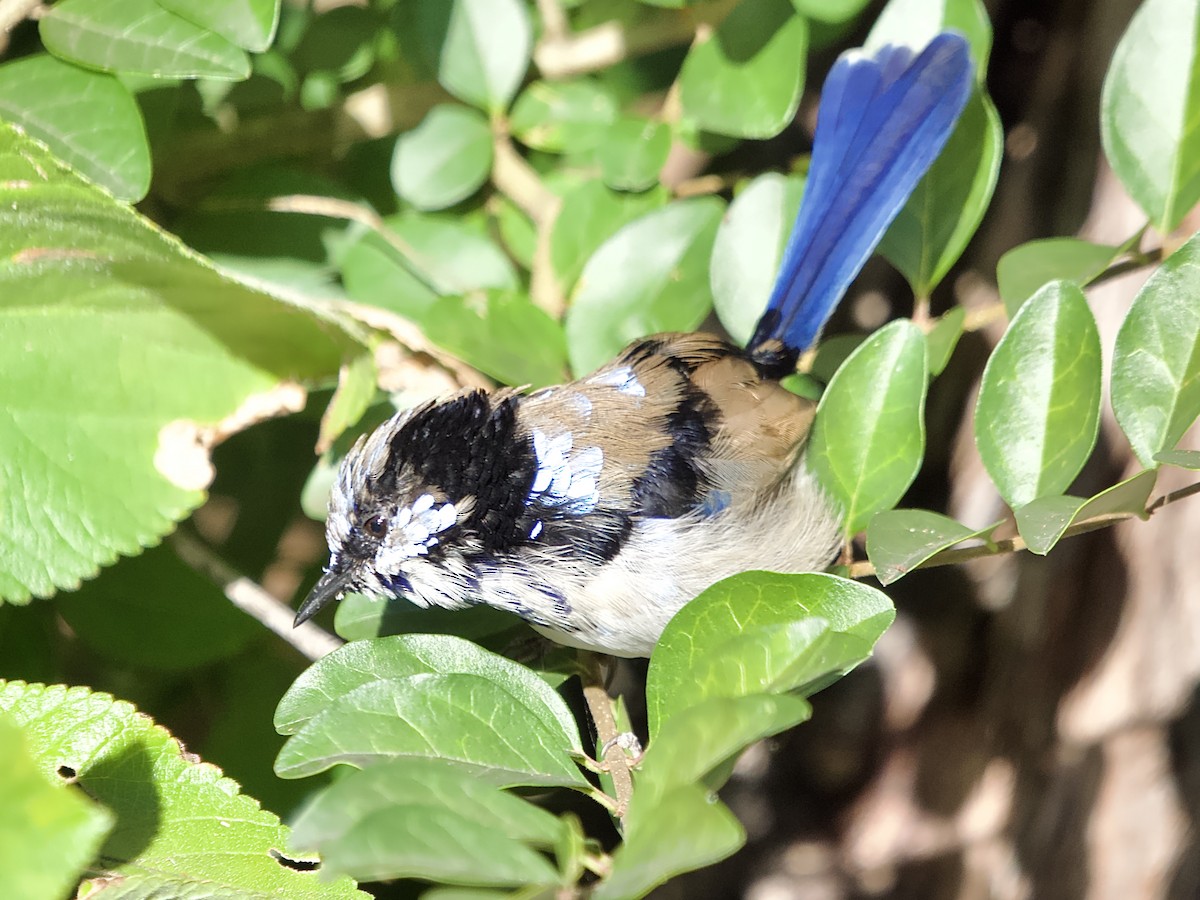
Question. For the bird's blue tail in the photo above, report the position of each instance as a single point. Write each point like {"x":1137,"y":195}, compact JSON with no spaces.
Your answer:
{"x":882,"y":121}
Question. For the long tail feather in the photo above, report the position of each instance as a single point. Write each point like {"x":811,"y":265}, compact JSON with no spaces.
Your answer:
{"x":883,"y":120}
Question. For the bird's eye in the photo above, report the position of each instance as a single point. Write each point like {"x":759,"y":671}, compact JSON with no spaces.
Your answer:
{"x":376,"y":526}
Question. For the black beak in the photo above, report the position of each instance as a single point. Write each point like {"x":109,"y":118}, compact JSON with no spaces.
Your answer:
{"x":330,"y":587}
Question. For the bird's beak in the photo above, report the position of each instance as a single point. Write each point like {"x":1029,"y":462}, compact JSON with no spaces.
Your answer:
{"x":330,"y":587}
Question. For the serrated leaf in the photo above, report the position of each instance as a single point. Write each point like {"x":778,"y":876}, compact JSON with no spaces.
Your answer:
{"x":1024,"y":269}
{"x":747,"y":250}
{"x":120,"y":348}
{"x":746,"y":78}
{"x":1183,"y":459}
{"x":632,"y":152}
{"x":943,"y":212}
{"x":684,"y":830}
{"x":248,"y":23}
{"x":429,"y":696}
{"x":650,"y":276}
{"x":1150,"y":110}
{"x":762,"y":632}
{"x":914,"y":23}
{"x":590,"y":214}
{"x":1042,"y":522}
{"x":426,"y":819}
{"x":502,"y":334}
{"x":88,"y":119}
{"x":479,"y":48}
{"x":899,"y":540}
{"x":443,"y":160}
{"x":141,"y":37}
{"x":563,"y":116}
{"x":49,"y":831}
{"x":179,"y":818}
{"x":1156,"y":361}
{"x":1039,"y":403}
{"x":868,"y":439}
{"x":942,"y":338}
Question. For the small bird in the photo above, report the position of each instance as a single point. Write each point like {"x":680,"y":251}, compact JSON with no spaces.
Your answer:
{"x":596,"y":509}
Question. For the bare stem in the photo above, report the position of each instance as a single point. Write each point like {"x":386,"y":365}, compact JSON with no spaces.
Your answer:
{"x":309,"y":639}
{"x":615,"y":758}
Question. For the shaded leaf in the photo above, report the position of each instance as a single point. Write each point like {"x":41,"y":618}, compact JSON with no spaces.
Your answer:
{"x":632,"y":153}
{"x":942,"y":338}
{"x":563,"y":116}
{"x":1042,"y":522}
{"x":443,"y":160}
{"x":479,"y":48}
{"x":899,"y":540}
{"x":1024,"y":269}
{"x":1183,"y":459}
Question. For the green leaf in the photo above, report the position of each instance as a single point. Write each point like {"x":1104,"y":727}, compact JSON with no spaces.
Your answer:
{"x":1156,"y":361}
{"x":632,"y":153}
{"x":942,"y":214}
{"x":762,"y":632}
{"x":868,"y":439}
{"x":696,"y":743}
{"x":1024,"y":269}
{"x":125,"y":349}
{"x":685,"y":830}
{"x":1183,"y":459}
{"x":443,"y":160}
{"x":140,"y":37}
{"x":176,"y":817}
{"x":360,"y":617}
{"x":914,"y":23}
{"x":502,"y":334}
{"x":87,"y":119}
{"x":650,"y":276}
{"x":517,"y":231}
{"x":429,"y":696}
{"x":352,"y":398}
{"x":49,"y":832}
{"x":899,"y":540}
{"x":746,"y":78}
{"x":943,"y":338}
{"x":749,"y":245}
{"x":1039,"y":404}
{"x":1041,"y":522}
{"x":338,"y":46}
{"x":1150,"y":110}
{"x":415,"y":818}
{"x":248,"y":23}
{"x":479,"y":48}
{"x":563,"y":116}
{"x":831,"y":11}
{"x":590,"y":214}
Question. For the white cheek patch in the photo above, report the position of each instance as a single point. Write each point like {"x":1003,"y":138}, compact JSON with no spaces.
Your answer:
{"x":623,"y":379}
{"x":413,"y":531}
{"x":568,"y":481}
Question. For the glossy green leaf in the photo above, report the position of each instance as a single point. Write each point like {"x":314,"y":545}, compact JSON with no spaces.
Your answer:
{"x":942,"y":214}
{"x":684,"y":830}
{"x":503,"y":335}
{"x":175,"y":816}
{"x":1183,"y":459}
{"x":590,"y":214}
{"x":1024,"y":269}
{"x":762,"y":632}
{"x":443,"y":160}
{"x":138,"y":36}
{"x":1041,"y":522}
{"x":248,"y":23}
{"x":1156,"y":362}
{"x":563,"y":116}
{"x":87,"y":119}
{"x":427,"y":696}
{"x":868,"y":439}
{"x":899,"y":540}
{"x":748,"y":248}
{"x":632,"y":152}
{"x":426,"y":819}
{"x":914,"y":23}
{"x":746,"y":78}
{"x":943,"y":337}
{"x":360,"y":617}
{"x":49,"y":831}
{"x":479,"y":48}
{"x":120,"y":345}
{"x":1150,"y":111}
{"x":1039,"y":403}
{"x":650,"y":276}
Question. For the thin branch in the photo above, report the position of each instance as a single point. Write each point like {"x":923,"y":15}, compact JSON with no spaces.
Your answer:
{"x":309,"y":639}
{"x":615,"y":758}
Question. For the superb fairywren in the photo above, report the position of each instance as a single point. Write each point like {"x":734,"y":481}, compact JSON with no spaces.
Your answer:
{"x":596,"y":509}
